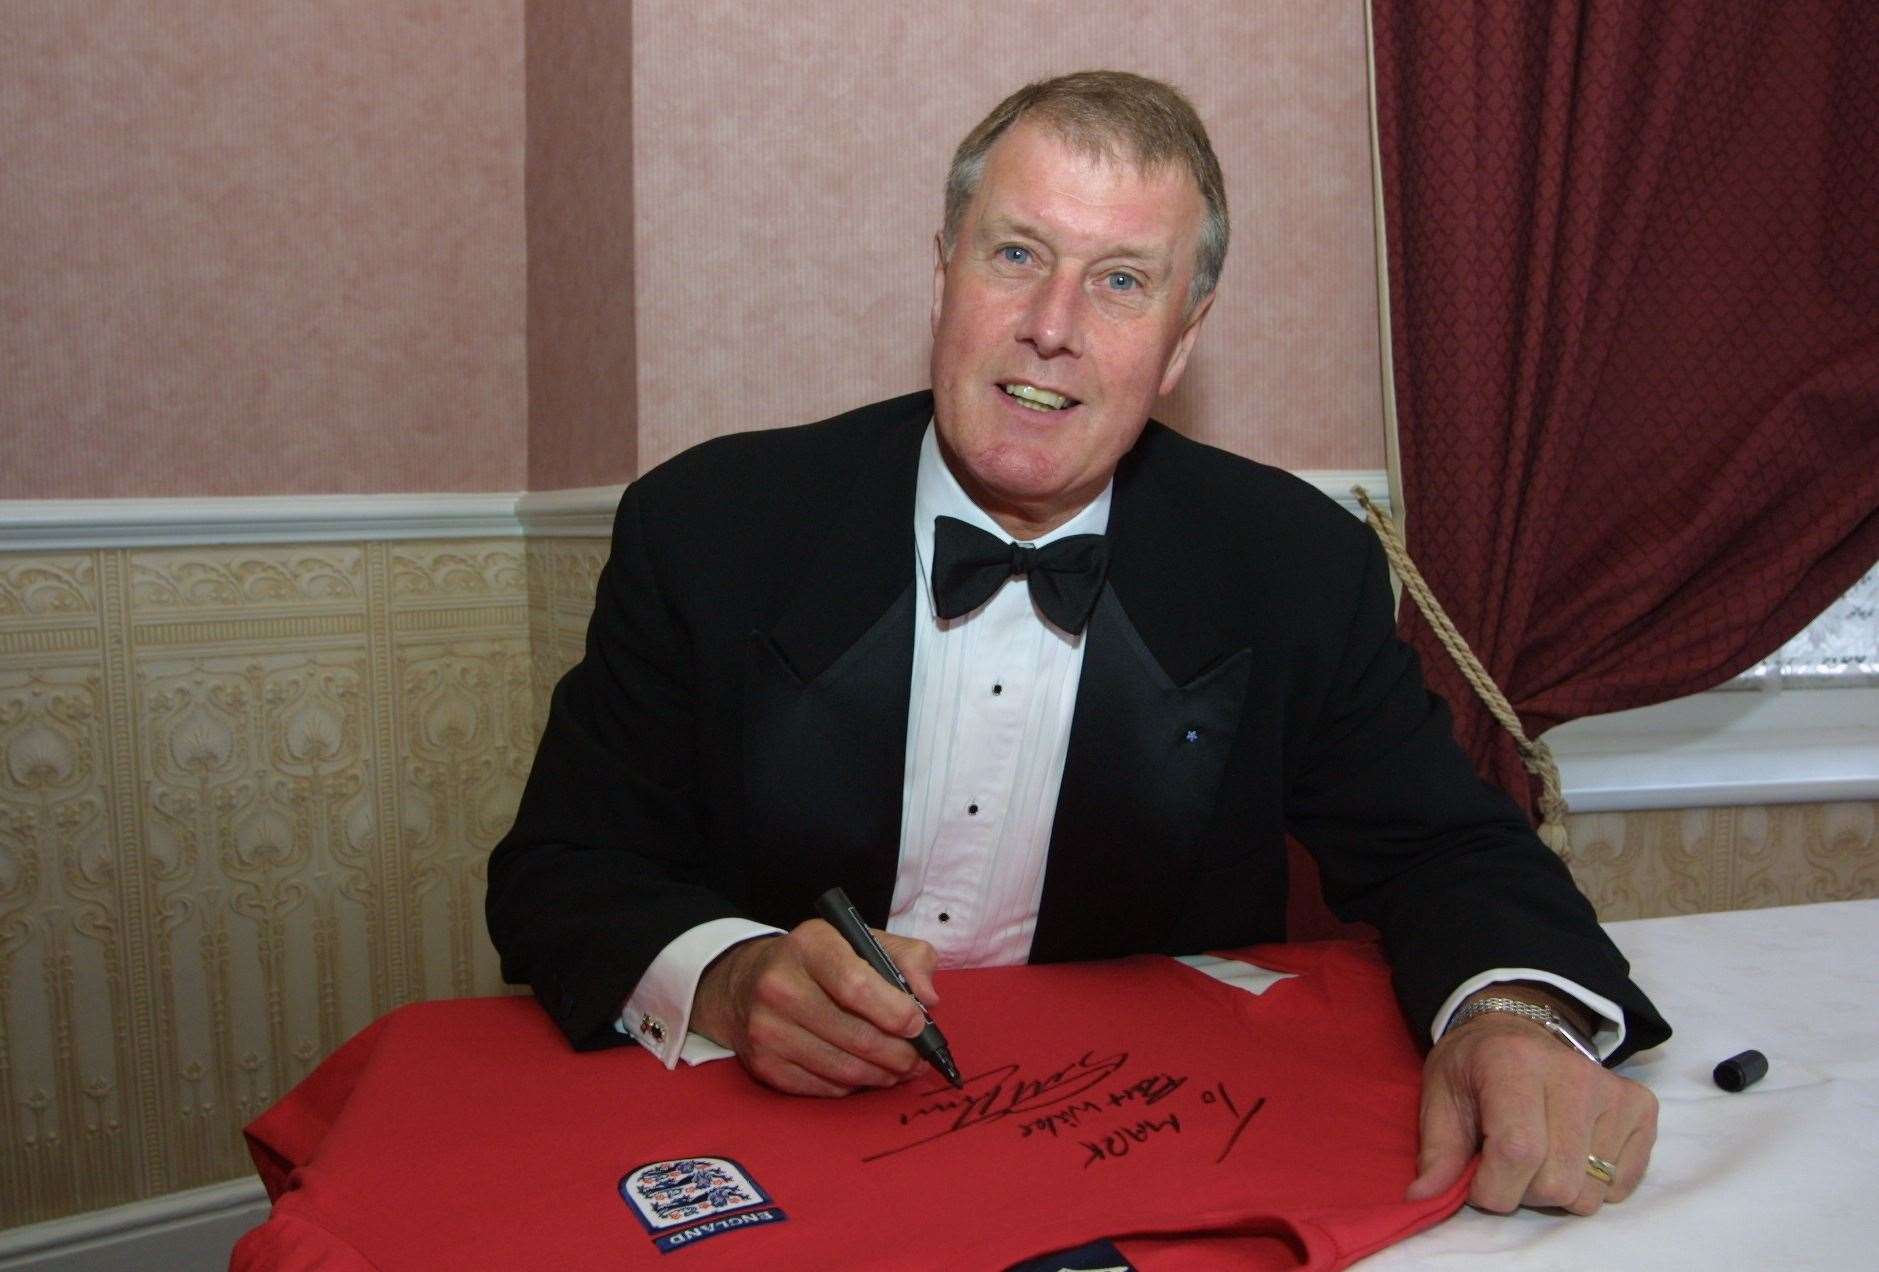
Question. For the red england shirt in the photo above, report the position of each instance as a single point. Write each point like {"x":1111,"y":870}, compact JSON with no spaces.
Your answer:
{"x":1191,"y":1123}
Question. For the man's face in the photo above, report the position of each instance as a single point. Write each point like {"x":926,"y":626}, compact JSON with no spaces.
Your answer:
{"x":1066,"y":287}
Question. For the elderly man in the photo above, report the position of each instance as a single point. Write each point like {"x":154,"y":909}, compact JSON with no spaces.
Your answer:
{"x":817,"y":658}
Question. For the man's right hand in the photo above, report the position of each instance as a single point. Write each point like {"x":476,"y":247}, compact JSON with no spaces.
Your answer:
{"x":805,"y":1015}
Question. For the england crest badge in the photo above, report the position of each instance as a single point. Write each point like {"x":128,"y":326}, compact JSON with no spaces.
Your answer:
{"x":687,"y":1199}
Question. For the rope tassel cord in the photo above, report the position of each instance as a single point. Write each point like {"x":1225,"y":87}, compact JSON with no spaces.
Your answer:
{"x":1535,"y":754}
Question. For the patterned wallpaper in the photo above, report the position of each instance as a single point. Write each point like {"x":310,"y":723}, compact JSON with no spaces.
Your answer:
{"x":246,"y":795}
{"x":562,"y":575}
{"x":1639,"y":865}
{"x":245,"y":800}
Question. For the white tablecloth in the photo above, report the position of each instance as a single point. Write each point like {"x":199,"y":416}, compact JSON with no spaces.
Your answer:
{"x":1782,"y":1175}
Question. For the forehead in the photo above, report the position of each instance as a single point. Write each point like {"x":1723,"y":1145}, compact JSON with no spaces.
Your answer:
{"x":1037,"y":179}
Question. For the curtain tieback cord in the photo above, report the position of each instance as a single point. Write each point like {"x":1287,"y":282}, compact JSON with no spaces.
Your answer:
{"x":1535,"y":754}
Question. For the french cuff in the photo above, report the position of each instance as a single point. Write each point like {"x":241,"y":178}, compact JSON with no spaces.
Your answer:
{"x":1607,"y":1033}
{"x":658,"y":1013}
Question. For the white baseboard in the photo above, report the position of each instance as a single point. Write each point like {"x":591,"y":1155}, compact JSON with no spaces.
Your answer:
{"x":588,"y":512}
{"x":179,"y":1232}
{"x":43,"y":525}
{"x":1337,"y":483}
{"x":60,"y":525}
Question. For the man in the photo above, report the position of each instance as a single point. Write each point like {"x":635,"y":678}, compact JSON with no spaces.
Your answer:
{"x":782,"y":692}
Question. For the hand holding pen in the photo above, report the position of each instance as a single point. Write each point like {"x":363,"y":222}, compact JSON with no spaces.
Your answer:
{"x":841,"y":914}
{"x":806,"y":1016}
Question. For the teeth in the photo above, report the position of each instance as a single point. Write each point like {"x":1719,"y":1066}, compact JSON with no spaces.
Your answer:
{"x":1036,"y":398}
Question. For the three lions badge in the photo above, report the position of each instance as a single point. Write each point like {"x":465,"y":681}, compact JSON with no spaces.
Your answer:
{"x":687,"y":1199}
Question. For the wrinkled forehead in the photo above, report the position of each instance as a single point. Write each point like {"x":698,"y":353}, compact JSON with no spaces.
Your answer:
{"x":1095,"y":143}
{"x":1104,"y":146}
{"x":1035,"y":169}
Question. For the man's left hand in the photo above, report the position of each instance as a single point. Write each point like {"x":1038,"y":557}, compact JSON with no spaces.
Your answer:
{"x":1536,"y":1110}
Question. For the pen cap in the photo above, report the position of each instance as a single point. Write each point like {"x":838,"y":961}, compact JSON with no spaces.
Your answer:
{"x":1741,"y":1071}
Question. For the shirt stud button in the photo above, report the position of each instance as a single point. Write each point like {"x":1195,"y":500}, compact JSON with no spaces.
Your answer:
{"x":997,"y":689}
{"x":945,"y":917}
{"x":972,"y":810}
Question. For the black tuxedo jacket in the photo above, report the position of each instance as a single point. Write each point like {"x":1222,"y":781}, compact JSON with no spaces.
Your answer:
{"x":734,"y":740}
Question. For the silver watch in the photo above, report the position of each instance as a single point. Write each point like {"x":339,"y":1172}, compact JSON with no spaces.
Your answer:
{"x":1543,"y":1016}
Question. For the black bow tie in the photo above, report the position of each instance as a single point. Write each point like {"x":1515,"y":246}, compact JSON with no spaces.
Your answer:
{"x":969,"y":565}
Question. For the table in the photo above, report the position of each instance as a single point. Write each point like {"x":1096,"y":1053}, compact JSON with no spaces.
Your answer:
{"x":1782,"y":1175}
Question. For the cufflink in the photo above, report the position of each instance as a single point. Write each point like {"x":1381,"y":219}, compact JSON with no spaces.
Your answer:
{"x":652,"y":1028}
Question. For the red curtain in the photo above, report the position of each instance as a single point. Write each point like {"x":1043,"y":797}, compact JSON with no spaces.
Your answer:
{"x":1634,"y":297}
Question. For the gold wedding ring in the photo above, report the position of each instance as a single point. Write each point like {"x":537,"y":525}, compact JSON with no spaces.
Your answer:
{"x":1600,"y":1169}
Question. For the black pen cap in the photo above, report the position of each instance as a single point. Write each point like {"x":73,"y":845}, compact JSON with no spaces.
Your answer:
{"x":1739,"y":1072}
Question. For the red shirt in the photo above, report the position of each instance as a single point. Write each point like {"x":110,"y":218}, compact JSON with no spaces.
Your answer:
{"x":1195,"y":1124}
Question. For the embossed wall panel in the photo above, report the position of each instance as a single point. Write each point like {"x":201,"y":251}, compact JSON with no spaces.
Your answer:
{"x":1684,"y":861}
{"x":66,"y":1127}
{"x":252,"y":672}
{"x":200,"y":752}
{"x":544,"y":656}
{"x":465,"y":739}
{"x":578,"y":563}
{"x":563,"y":574}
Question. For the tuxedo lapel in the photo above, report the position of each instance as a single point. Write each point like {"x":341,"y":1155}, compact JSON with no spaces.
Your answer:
{"x":1161,"y":564}
{"x":825,"y":730}
{"x":1157,"y":713}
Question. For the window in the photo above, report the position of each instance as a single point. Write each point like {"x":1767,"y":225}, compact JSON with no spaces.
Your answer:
{"x":1783,"y":740}
{"x":1840,"y":648}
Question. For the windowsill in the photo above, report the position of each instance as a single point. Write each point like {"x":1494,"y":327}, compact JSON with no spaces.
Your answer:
{"x":1728,"y":746}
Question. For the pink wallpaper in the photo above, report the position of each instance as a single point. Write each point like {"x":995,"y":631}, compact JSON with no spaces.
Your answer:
{"x":788,"y":165}
{"x":281,"y":248}
{"x":261,"y":248}
{"x":582,"y":381}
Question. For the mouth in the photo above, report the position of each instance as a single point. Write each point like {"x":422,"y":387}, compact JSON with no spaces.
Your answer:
{"x":1035,"y":398}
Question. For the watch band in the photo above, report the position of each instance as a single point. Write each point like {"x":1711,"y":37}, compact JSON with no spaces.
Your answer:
{"x":1539,"y":1014}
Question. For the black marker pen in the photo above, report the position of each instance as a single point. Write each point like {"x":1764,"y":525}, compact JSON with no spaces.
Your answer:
{"x":835,"y":906}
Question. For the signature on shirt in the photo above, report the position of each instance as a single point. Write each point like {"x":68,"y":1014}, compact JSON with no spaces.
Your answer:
{"x":1073,"y":1102}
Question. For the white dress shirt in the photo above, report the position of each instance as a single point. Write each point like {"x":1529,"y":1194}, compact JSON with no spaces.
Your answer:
{"x":988,"y":729}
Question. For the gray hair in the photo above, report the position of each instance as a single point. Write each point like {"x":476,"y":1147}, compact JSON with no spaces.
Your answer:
{"x":1109,"y":115}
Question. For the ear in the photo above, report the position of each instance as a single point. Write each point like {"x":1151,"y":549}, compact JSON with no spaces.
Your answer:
{"x":939,"y":277}
{"x":1177,"y":361}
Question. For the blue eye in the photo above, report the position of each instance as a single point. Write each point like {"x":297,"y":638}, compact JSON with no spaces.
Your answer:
{"x":1012,"y":254}
{"x":1122,"y":282}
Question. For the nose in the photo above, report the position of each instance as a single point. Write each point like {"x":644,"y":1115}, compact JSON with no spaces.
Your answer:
{"x":1053,"y":320}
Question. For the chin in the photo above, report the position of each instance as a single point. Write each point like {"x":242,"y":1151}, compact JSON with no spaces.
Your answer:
{"x":1018,"y":472}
